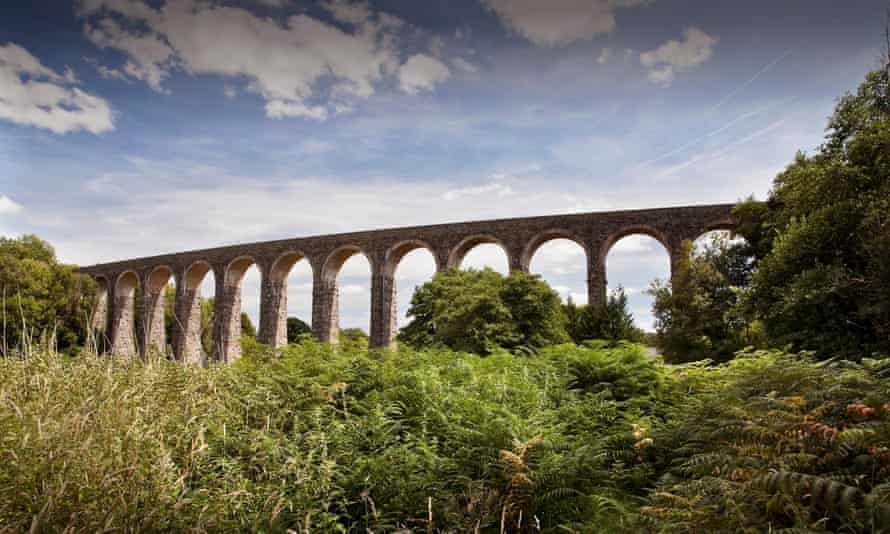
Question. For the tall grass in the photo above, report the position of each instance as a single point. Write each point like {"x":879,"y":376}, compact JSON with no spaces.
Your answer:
{"x":312,"y":438}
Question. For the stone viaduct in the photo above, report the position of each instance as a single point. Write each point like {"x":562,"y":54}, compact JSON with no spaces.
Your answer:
{"x":120,"y":282}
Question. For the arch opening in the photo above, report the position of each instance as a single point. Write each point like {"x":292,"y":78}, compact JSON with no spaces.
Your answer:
{"x":562,"y":263}
{"x":193,"y":321}
{"x":295,"y":272}
{"x":98,"y":339}
{"x":633,"y":262}
{"x":480,"y":252}
{"x":350,"y":270}
{"x":413,"y":267}
{"x":160,"y":310}
{"x":242,"y":283}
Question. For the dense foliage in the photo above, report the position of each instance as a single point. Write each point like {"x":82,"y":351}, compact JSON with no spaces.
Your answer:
{"x":699,"y":314}
{"x":612,"y":321}
{"x":822,"y":239}
{"x":41,"y":298}
{"x":775,"y":441}
{"x":296,"y":328}
{"x":322,"y":439}
{"x":482,"y":310}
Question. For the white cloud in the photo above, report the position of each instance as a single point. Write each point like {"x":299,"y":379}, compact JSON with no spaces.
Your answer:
{"x":279,"y":109}
{"x":34,"y":95}
{"x":678,"y":56}
{"x":422,"y":72}
{"x":230,"y":92}
{"x":106,"y":73}
{"x":9,"y":206}
{"x":559,"y":22}
{"x":499,"y":190}
{"x":302,"y":67}
{"x":464,"y":65}
{"x":604,"y":55}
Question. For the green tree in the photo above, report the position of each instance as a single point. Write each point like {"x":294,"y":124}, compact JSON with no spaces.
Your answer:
{"x":480,"y":310}
{"x":698,"y":313}
{"x":612,"y":321}
{"x":247,"y":327}
{"x":41,"y":298}
{"x":296,"y":328}
{"x":822,"y":239}
{"x":207,"y":311}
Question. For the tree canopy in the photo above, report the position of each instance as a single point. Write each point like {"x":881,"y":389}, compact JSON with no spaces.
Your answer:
{"x":41,"y":297}
{"x":480,"y":310}
{"x":822,"y":239}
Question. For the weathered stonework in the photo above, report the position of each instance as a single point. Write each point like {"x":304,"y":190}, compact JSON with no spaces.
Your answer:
{"x":384,"y":249}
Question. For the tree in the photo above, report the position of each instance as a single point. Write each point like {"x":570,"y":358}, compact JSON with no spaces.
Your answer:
{"x":698,"y":312}
{"x":612,"y":321}
{"x":480,"y":310}
{"x":41,"y":298}
{"x":822,"y":239}
{"x":296,"y":328}
{"x":247,"y":327}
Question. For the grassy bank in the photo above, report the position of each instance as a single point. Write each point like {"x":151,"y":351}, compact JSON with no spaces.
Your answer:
{"x":311,"y":439}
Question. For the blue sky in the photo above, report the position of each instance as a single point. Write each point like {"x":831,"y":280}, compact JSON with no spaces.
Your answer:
{"x":137,"y":127}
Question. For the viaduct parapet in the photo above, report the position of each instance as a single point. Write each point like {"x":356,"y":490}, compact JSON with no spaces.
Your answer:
{"x":120,"y":282}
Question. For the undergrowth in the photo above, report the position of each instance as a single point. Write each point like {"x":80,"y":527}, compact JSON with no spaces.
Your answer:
{"x":312,"y":438}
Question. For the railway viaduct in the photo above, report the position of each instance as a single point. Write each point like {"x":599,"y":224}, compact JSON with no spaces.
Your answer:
{"x":120,"y":282}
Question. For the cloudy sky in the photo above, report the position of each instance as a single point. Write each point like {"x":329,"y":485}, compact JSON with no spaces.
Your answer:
{"x":138,"y":127}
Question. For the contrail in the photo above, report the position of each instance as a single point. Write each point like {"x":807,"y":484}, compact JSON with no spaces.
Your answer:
{"x":712,"y":133}
{"x":722,"y":151}
{"x":749,"y":81}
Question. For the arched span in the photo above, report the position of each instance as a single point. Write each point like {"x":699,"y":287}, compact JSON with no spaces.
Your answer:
{"x":195,"y":273}
{"x":636,"y":229}
{"x":159,"y":278}
{"x":397,"y":252}
{"x":548,"y":235}
{"x":283,"y":264}
{"x":456,"y":257}
{"x":337,"y":258}
{"x":236,"y":269}
{"x":126,"y":284}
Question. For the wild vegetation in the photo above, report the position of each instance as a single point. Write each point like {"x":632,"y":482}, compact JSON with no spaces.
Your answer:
{"x":499,"y":412}
{"x":319,"y":439}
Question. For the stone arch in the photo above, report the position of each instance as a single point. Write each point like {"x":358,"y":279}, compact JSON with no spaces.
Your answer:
{"x":123,"y":323}
{"x":153,"y":330}
{"x":235,"y":270}
{"x":634,"y":229}
{"x":187,"y":344}
{"x":227,"y":309}
{"x":384,"y":305}
{"x":459,"y":251}
{"x":543,"y":237}
{"x":325,"y":300}
{"x":273,"y":298}
{"x":335,"y":260}
{"x":99,"y":320}
{"x":630,"y":271}
{"x":398,"y":251}
{"x":562,"y":280}
{"x":283,"y":264}
{"x":195,"y":273}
